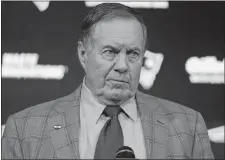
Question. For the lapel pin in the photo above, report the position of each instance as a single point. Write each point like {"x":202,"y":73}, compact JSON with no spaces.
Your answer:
{"x":57,"y":127}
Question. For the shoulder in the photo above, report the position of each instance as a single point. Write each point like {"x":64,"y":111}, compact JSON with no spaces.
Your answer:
{"x":172,"y":110}
{"x":42,"y":109}
{"x":50,"y":108}
{"x":169,"y":107}
{"x":179,"y":118}
{"x":30,"y":121}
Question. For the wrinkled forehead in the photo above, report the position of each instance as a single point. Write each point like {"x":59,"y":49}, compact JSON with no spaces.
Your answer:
{"x":117,"y":24}
{"x":119,"y":29}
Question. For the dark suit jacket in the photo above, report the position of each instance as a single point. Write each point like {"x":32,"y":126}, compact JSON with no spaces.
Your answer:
{"x":170,"y":130}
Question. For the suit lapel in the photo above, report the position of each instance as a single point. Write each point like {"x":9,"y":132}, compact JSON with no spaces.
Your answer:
{"x":64,"y":127}
{"x":154,"y":125}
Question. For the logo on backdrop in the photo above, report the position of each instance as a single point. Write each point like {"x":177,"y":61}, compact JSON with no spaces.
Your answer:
{"x":25,"y":65}
{"x":205,"y":70}
{"x":153,"y":5}
{"x":151,"y":67}
{"x":42,"y":5}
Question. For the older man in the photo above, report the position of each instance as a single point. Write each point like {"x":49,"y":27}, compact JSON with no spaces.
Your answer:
{"x":107,"y":112}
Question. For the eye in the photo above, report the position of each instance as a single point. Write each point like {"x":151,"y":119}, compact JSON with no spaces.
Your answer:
{"x":109,"y":54}
{"x":133,"y":55}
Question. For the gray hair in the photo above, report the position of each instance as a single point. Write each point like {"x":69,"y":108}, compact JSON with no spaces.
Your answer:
{"x":109,"y":11}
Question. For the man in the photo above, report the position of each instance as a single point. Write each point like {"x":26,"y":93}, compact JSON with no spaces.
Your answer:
{"x":107,"y":112}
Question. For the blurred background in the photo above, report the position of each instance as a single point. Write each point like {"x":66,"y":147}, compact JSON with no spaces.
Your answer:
{"x":184,"y":62}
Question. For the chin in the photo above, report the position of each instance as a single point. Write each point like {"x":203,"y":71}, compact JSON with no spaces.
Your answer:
{"x":108,"y":95}
{"x":119,"y":95}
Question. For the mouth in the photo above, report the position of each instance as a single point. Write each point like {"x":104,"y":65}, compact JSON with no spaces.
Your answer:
{"x":118,"y":80}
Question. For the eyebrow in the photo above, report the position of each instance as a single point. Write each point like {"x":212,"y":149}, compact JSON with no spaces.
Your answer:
{"x":118,"y":47}
{"x":113,"y":47}
{"x":135,"y":49}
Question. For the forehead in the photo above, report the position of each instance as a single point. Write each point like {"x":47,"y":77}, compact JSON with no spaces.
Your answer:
{"x":124,"y":31}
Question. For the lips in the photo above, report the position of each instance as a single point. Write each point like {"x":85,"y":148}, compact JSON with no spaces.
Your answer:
{"x":118,"y":80}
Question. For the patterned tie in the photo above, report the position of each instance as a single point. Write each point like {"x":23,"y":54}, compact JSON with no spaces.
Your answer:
{"x":111,"y":135}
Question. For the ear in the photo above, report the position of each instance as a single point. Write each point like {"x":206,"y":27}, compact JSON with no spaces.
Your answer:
{"x":82,"y":53}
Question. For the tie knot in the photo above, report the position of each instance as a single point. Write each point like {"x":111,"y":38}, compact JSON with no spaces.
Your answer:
{"x":112,"y":110}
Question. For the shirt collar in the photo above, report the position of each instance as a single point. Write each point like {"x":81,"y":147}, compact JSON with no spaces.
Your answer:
{"x":93,"y":109}
{"x":130,"y":107}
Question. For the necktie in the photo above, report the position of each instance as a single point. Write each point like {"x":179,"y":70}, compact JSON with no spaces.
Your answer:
{"x":111,"y":135}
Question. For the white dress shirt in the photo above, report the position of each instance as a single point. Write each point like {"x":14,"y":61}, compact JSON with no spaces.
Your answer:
{"x":92,"y":122}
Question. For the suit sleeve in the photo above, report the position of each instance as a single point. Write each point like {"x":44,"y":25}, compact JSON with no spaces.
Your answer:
{"x":11,"y":148}
{"x":201,"y":147}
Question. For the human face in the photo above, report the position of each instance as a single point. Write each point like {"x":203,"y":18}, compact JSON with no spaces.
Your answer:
{"x":114,"y":59}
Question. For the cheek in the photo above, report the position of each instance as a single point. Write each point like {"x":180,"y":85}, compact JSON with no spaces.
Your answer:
{"x":102,"y":67}
{"x":135,"y":73}
{"x":97,"y":68}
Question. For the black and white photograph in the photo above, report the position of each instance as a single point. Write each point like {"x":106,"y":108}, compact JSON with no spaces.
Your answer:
{"x":112,"y":79}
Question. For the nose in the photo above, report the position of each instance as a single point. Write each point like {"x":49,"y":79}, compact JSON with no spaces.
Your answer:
{"x":121,"y":63}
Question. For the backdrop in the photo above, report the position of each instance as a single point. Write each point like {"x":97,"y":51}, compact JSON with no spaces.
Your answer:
{"x":48,"y":40}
